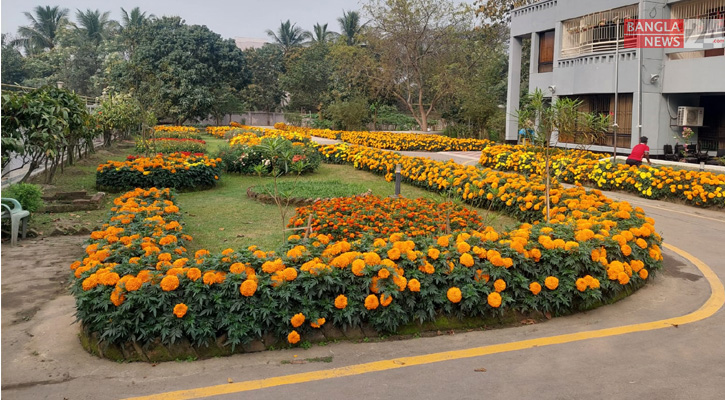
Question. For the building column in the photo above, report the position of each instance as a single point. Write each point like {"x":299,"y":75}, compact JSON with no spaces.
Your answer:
{"x":514,"y":88}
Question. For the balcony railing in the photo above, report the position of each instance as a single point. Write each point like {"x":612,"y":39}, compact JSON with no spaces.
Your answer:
{"x":595,"y":33}
{"x":531,"y":6}
{"x":623,"y":140}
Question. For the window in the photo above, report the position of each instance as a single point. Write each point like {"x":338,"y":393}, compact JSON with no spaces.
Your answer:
{"x":546,"y":51}
{"x":595,"y":33}
{"x":604,"y":104}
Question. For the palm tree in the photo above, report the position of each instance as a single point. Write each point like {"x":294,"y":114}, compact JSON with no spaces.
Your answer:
{"x":94,"y":26}
{"x":350,"y":26}
{"x":134,"y":19}
{"x":320,"y":34}
{"x":288,"y":36}
{"x":43,"y":29}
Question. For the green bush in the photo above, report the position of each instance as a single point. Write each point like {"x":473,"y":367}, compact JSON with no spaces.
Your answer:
{"x":27,"y":194}
{"x":349,"y":115}
{"x":242,"y":159}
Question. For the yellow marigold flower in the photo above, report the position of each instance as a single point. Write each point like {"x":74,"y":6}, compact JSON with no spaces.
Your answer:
{"x":201,"y":253}
{"x":290,"y":274}
{"x":536,"y":254}
{"x":371,"y":302}
{"x":581,"y":284}
{"x":385,"y":300}
{"x":551,"y":282}
{"x":379,"y":242}
{"x":341,"y":302}
{"x":357,"y":267}
{"x":248,"y":287}
{"x":394,"y":254}
{"x":623,"y":278}
{"x":433,"y":253}
{"x":117,"y":297}
{"x":641,"y":243}
{"x":626,"y":250}
{"x":594,"y":283}
{"x":318,"y":323}
{"x":535,"y":288}
{"x":463,"y":247}
{"x":180,"y":310}
{"x":466,"y":259}
{"x":499,"y":285}
{"x":170,"y":282}
{"x":643,"y":273}
{"x":427,"y":268}
{"x":193,"y":273}
{"x":414,"y":285}
{"x":443,"y":241}
{"x":133,"y":284}
{"x":237,"y":268}
{"x":454,"y":295}
{"x":494,"y":299}
{"x":372,"y":258}
{"x":297,"y":320}
{"x":293,"y":337}
{"x":383,"y":273}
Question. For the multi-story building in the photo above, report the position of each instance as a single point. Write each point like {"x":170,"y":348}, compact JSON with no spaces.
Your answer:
{"x":574,"y":49}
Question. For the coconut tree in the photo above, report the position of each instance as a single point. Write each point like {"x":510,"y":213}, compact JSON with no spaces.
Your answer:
{"x":43,"y":30}
{"x":320,"y":34}
{"x":134,"y":19}
{"x":350,"y":26}
{"x":288,"y":35}
{"x":93,"y":25}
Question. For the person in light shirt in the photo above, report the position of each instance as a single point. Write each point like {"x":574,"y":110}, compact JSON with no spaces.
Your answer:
{"x":638,"y":152}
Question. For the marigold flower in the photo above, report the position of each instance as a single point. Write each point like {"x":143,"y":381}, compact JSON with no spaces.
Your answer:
{"x":385,"y":300}
{"x":248,"y":287}
{"x":290,"y":274}
{"x":414,"y":285}
{"x":641,"y":243}
{"x":180,"y":310}
{"x":297,"y":320}
{"x":535,"y":288}
{"x":643,"y":273}
{"x":494,"y":299}
{"x":193,"y":273}
{"x":133,"y":284}
{"x":463,"y":247}
{"x":394,"y":254}
{"x":371,"y":302}
{"x":443,"y":241}
{"x":454,"y":295}
{"x":318,"y":323}
{"x":293,"y":337}
{"x":383,"y":273}
{"x":581,"y":284}
{"x":499,"y":285}
{"x":466,"y":259}
{"x":170,"y":282}
{"x":623,"y":278}
{"x":551,"y":282}
{"x":357,"y":267}
{"x":433,"y":253}
{"x":117,"y":297}
{"x":341,"y":302}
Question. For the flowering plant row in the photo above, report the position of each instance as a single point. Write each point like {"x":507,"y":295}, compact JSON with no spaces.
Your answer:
{"x":171,"y":145}
{"x":138,"y":283}
{"x":182,"y":171}
{"x":355,"y":217}
{"x":699,"y":188}
{"x":398,"y":141}
{"x":179,"y":132}
{"x":287,"y":152}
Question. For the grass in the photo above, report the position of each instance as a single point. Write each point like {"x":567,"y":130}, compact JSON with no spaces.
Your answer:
{"x":312,"y":189}
{"x":225,"y":217}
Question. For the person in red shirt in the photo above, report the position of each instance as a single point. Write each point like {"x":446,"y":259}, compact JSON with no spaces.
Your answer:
{"x":639,"y":151}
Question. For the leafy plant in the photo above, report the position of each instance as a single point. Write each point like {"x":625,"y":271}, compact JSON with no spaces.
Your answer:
{"x":27,"y":194}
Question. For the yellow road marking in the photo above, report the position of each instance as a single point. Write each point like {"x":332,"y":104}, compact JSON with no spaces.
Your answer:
{"x":710,"y":307}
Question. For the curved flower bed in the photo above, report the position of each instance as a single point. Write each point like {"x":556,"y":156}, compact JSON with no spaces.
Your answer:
{"x":698,"y":188}
{"x":139,"y":285}
{"x":182,"y":171}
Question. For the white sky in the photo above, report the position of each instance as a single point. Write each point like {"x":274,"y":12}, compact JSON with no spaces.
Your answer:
{"x":241,"y":18}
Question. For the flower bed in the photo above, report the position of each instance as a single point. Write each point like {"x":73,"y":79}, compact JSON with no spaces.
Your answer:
{"x":182,"y":171}
{"x":138,"y":284}
{"x":398,"y":141}
{"x":178,"y":132}
{"x":698,"y":188}
{"x":355,"y":217}
{"x":171,"y":145}
{"x":247,"y":151}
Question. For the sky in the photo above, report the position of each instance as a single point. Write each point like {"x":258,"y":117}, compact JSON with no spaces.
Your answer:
{"x":240,"y":18}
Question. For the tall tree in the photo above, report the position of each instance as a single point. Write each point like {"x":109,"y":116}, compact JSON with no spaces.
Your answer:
{"x":307,"y":78}
{"x":93,"y":25}
{"x":288,"y":36}
{"x":134,"y":19}
{"x":266,"y":65}
{"x":350,"y":26}
{"x":496,"y":11}
{"x":13,"y":64}
{"x":320,"y":34}
{"x":43,"y":30}
{"x":419,"y":48}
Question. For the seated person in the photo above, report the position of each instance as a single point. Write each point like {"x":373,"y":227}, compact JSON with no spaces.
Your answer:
{"x":639,"y":151}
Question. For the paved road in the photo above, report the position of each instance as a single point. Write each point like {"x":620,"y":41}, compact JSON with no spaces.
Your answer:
{"x":676,"y":362}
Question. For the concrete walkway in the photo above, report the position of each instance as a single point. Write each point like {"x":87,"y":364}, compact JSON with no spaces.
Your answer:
{"x":592,"y":355}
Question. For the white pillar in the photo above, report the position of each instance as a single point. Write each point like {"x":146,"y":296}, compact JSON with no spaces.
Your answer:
{"x":514,"y":88}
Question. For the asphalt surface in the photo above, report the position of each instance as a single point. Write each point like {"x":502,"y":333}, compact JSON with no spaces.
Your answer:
{"x":680,"y":361}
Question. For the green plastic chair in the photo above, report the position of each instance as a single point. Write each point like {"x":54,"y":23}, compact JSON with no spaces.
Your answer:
{"x":11,"y":209}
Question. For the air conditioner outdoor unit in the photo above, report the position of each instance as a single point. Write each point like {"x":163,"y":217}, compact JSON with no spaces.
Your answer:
{"x":690,"y":116}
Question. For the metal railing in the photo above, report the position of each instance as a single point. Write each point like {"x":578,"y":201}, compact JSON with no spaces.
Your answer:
{"x":595,"y":33}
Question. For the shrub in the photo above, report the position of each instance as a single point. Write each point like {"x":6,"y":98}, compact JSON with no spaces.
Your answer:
{"x":182,"y":171}
{"x":247,"y":151}
{"x":27,"y":194}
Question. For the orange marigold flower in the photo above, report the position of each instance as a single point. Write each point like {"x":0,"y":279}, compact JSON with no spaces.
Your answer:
{"x":641,"y":243}
{"x":318,"y":323}
{"x":499,"y":285}
{"x":414,"y":285}
{"x":227,"y":252}
{"x":394,"y":254}
{"x":444,"y":241}
{"x":466,"y":259}
{"x":341,"y":302}
{"x":201,"y":253}
{"x":248,"y":288}
{"x":357,"y":267}
{"x":297,"y":320}
{"x":494,"y":300}
{"x":643,"y":273}
{"x":433,"y":253}
{"x":623,"y":278}
{"x":454,"y":295}
{"x":371,"y":302}
{"x":463,"y":247}
{"x":193,"y":274}
{"x":581,"y":284}
{"x":170,"y":282}
{"x":383,"y":273}
{"x":117,"y":297}
{"x":133,"y":284}
{"x":180,"y":310}
{"x":237,"y":268}
{"x":551,"y":282}
{"x":535,"y":288}
{"x":385,"y":300}
{"x":293,"y":337}
{"x":290,"y":274}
